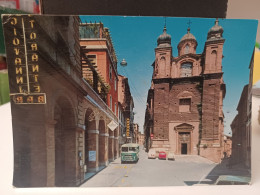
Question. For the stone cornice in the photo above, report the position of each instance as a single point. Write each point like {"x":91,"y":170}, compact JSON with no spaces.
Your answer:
{"x":194,"y":56}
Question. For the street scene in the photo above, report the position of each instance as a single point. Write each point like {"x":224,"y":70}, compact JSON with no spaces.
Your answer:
{"x":111,"y":101}
{"x":184,"y":171}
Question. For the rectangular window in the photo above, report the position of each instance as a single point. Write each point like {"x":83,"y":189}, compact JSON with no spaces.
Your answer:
{"x":185,"y":105}
{"x":115,"y":108}
{"x":110,"y":71}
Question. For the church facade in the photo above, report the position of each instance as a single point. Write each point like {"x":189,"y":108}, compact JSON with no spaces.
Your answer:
{"x":184,"y":104}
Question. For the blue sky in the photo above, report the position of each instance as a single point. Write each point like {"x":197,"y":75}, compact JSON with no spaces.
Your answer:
{"x":135,"y":39}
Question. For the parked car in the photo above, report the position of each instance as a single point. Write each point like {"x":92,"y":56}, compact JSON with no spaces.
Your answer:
{"x":171,"y":156}
{"x":232,"y":180}
{"x":152,"y":154}
{"x":162,"y":155}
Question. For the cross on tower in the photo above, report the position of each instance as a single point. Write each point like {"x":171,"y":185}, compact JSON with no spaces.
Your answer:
{"x":164,"y":21}
{"x":189,"y":23}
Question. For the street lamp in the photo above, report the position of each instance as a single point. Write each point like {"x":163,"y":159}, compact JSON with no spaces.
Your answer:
{"x":123,"y":63}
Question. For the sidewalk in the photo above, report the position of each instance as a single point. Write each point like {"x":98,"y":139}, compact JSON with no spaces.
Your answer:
{"x":88,"y":175}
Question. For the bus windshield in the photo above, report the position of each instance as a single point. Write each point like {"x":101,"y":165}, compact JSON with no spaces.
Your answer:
{"x":124,"y":149}
{"x":132,"y":149}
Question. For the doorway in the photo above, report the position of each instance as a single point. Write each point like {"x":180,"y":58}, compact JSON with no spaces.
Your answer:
{"x":184,"y":148}
{"x":184,"y":142}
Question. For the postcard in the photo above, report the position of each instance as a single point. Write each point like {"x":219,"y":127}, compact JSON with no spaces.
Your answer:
{"x":113,"y":101}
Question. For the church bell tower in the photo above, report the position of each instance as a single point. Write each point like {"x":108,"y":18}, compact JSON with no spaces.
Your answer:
{"x":163,"y":55}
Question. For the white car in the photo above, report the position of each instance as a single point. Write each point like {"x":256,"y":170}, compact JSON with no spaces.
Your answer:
{"x":152,"y":154}
{"x":171,"y":156}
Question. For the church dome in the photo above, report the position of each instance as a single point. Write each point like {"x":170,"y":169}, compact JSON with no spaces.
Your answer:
{"x":188,"y":36}
{"x":164,"y":39}
{"x":187,"y":44}
{"x":216,"y":31}
{"x":216,"y":28}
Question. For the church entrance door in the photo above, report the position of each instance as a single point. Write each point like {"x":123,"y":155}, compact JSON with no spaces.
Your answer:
{"x":184,"y":148}
{"x":183,"y":138}
{"x":184,"y":143}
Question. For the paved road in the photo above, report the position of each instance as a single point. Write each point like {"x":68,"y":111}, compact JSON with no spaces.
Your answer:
{"x":185,"y":170}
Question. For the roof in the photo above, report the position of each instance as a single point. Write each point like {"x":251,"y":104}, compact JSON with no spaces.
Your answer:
{"x":164,"y":40}
{"x":130,"y":145}
{"x":188,"y":36}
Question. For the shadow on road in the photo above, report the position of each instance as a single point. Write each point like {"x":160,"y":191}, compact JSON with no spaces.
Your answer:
{"x":223,"y":168}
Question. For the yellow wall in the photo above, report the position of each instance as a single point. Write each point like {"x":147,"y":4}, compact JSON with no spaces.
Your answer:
{"x":256,"y":73}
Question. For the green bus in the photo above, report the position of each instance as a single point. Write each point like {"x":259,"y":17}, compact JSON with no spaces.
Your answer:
{"x":129,"y":153}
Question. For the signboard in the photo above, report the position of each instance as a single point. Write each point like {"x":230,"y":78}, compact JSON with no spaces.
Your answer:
{"x":92,"y":155}
{"x":151,"y":135}
{"x":23,"y":59}
{"x":127,"y":127}
{"x":112,"y":125}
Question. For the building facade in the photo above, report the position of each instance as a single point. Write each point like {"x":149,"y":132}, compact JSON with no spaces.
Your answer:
{"x":184,"y":104}
{"x":240,"y":136}
{"x":60,"y":122}
{"x":96,"y":45}
{"x":140,"y":138}
{"x":135,"y":133}
{"x":242,"y":124}
{"x":227,"y":146}
{"x":125,"y":100}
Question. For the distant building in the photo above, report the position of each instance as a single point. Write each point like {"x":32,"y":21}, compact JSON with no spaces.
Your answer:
{"x":121,"y":122}
{"x":240,"y":135}
{"x":135,"y":134}
{"x":227,"y":146}
{"x":125,"y":100}
{"x":184,"y":104}
{"x":242,"y":124}
{"x":140,"y":138}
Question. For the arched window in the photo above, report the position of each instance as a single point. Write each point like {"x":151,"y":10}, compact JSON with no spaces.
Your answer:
{"x":187,"y":49}
{"x":110,"y":102}
{"x":186,"y":69}
{"x":162,"y":66}
{"x":115,"y":84}
{"x":213,"y":58}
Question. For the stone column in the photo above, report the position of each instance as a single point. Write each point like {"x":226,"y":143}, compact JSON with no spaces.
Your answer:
{"x":116,"y":148}
{"x":50,"y":152}
{"x":71,"y":156}
{"x":93,"y":150}
{"x":111,"y":146}
{"x":116,"y":143}
{"x":80,"y":154}
{"x":103,"y":144}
